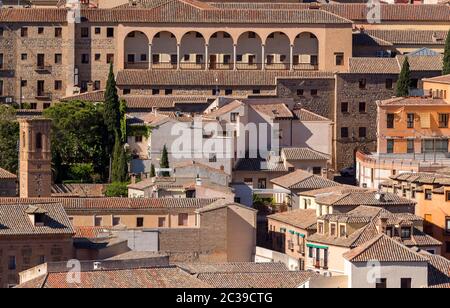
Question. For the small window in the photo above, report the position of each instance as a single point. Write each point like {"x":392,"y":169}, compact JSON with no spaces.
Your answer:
{"x":389,"y":84}
{"x":317,"y":170}
{"x":183,"y":219}
{"x":155,"y":91}
{"x":300,"y":92}
{"x":58,"y":85}
{"x":40,"y":30}
{"x":161,"y":222}
{"x":85,"y":58}
{"x":410,"y":146}
{"x":314,"y":92}
{"x":116,"y":221}
{"x":130,"y":58}
{"x":126,"y":91}
{"x":24,"y":56}
{"x":344,"y":107}
{"x":98,"y":221}
{"x":38,"y":141}
{"x":381,"y":283}
{"x":443,"y":120}
{"x":110,"y":58}
{"x":447,"y":196}
{"x":234,"y":116}
{"x":58,"y":32}
{"x":109,"y":32}
{"x":390,"y":146}
{"x":344,"y":132}
{"x":405,"y":283}
{"x":390,"y":120}
{"x":138,"y":139}
{"x":333,"y":229}
{"x":320,"y":228}
{"x":339,"y":58}
{"x":2,"y":31}
{"x":139,"y":222}
{"x":410,"y":120}
{"x":24,"y":32}
{"x":168,"y":91}
{"x":97,"y":85}
{"x":262,"y":183}
{"x":97,"y":57}
{"x":84,"y":32}
{"x":58,"y":58}
{"x":212,"y":158}
{"x":256,"y":91}
{"x":23,"y":83}
{"x":428,"y":194}
{"x":98,"y":30}
{"x":342,"y":231}
{"x":143,"y":57}
{"x":362,"y":83}
{"x":228,"y":92}
{"x":362,"y":107}
{"x":405,"y":233}
{"x":12,"y":263}
{"x":362,"y":132}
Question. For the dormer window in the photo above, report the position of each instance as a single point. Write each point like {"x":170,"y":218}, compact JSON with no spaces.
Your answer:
{"x":405,"y":233}
{"x":320,"y":228}
{"x":332,"y":229}
{"x":37,"y":215}
{"x":39,"y":219}
{"x":342,"y":231}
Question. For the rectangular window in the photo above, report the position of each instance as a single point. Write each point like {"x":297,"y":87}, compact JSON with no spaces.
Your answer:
{"x":155,"y":91}
{"x":58,"y":32}
{"x":109,"y":32}
{"x":98,"y":221}
{"x":12,"y":263}
{"x":362,"y":132}
{"x":138,"y":139}
{"x":228,"y":92}
{"x":362,"y":83}
{"x":131,"y":58}
{"x":212,"y":158}
{"x":300,"y":92}
{"x":333,"y":229}
{"x":405,"y":233}
{"x":314,"y":92}
{"x":58,"y":58}
{"x":85,"y":58}
{"x":24,"y":57}
{"x":96,"y":85}
{"x":410,"y":120}
{"x":168,"y":91}
{"x":2,"y":31}
{"x":1,"y":61}
{"x":320,"y":228}
{"x":84,"y":32}
{"x":24,"y":32}
{"x":405,"y":283}
{"x":443,"y":120}
{"x":390,"y":146}
{"x":390,"y":120}
{"x":342,"y":231}
{"x":339,"y":58}
{"x":161,"y":222}
{"x":98,"y":30}
{"x":381,"y":283}
{"x":40,"y":30}
{"x":116,"y":221}
{"x":110,"y":58}
{"x":139,"y":222}
{"x":410,"y":146}
{"x":362,"y":107}
{"x":262,"y":183}
{"x":234,"y":116}
{"x":58,"y":85}
{"x":447,"y":196}
{"x":389,"y":84}
{"x":447,"y":224}
{"x":344,"y":107}
{"x":183,"y":219}
{"x":317,"y":170}
{"x":344,"y":132}
{"x":428,"y":194}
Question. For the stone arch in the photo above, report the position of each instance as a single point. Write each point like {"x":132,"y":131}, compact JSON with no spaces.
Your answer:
{"x":164,"y":50}
{"x":306,"y":51}
{"x":277,"y":50}
{"x":136,"y":50}
{"x":220,"y":50}
{"x":249,"y":51}
{"x":192,"y":50}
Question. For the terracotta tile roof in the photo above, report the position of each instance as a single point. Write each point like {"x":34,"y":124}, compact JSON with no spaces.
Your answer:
{"x":135,"y":255}
{"x":438,"y":270}
{"x":423,"y":37}
{"x":362,"y":198}
{"x":300,"y":179}
{"x":355,"y":239}
{"x":93,"y":96}
{"x":165,"y":277}
{"x":233,"y":267}
{"x":220,"y":204}
{"x":414,"y":101}
{"x":258,"y":164}
{"x":420,"y":239}
{"x":330,"y":190}
{"x":303,"y":219}
{"x":14,"y":220}
{"x":208,"y":78}
{"x":273,"y":111}
{"x":225,"y":109}
{"x":257,"y":280}
{"x":121,"y":204}
{"x":78,"y":190}
{"x":365,"y":65}
{"x":304,"y":154}
{"x":307,"y":116}
{"x":89,"y":232}
{"x":363,"y":38}
{"x":6,"y":175}
{"x":440,"y":79}
{"x":383,"y":249}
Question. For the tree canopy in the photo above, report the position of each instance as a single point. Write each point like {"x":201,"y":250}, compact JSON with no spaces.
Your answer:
{"x":9,"y":137}
{"x":404,"y":80}
{"x":446,"y":68}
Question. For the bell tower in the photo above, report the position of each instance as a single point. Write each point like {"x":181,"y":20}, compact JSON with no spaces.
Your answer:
{"x":35,"y":158}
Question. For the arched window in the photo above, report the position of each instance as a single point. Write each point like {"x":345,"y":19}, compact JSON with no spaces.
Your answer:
{"x":38,"y":141}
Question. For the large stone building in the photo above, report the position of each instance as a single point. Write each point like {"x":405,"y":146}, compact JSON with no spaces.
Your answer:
{"x":302,"y":51}
{"x":8,"y":184}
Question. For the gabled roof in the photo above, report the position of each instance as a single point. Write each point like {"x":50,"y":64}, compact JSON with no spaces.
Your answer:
{"x":303,"y":219}
{"x":423,"y":37}
{"x":362,"y":198}
{"x":273,"y":111}
{"x":383,"y":249}
{"x":6,"y":175}
{"x":233,"y":267}
{"x":300,"y":179}
{"x":307,"y":116}
{"x":438,"y":270}
{"x":225,"y":109}
{"x":14,"y":219}
{"x":392,"y":66}
{"x":304,"y":154}
{"x":414,"y":101}
{"x":440,"y":79}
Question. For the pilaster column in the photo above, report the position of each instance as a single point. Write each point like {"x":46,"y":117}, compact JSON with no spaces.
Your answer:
{"x":178,"y":56}
{"x":291,"y":58}
{"x":263,"y":62}
{"x":234,"y":57}
{"x":150,"y":56}
{"x":206,"y":57}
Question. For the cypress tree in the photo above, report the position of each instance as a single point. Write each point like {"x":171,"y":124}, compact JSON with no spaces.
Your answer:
{"x":446,"y":68}
{"x":123,"y":120}
{"x":112,"y":106}
{"x":165,"y":161}
{"x":404,"y":80}
{"x":115,"y":171}
{"x":152,"y":171}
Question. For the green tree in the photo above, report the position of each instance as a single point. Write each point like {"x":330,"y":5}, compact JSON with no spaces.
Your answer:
{"x":404,"y":80}
{"x":79,"y":136}
{"x":117,"y":189}
{"x":112,"y":107}
{"x":82,"y":172}
{"x":446,"y":69}
{"x":164,"y":164}
{"x":123,"y":120}
{"x":152,"y":171}
{"x":120,"y":162}
{"x":9,"y":137}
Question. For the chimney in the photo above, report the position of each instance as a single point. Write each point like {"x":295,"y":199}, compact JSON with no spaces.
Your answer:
{"x":133,"y":178}
{"x":198,"y":181}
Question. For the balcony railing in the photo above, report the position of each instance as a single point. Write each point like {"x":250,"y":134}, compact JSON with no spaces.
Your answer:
{"x":43,"y":68}
{"x":164,"y":65}
{"x":43,"y":95}
{"x":305,"y":67}
{"x":221,"y":66}
{"x":192,"y":65}
{"x":248,"y":66}
{"x":277,"y":66}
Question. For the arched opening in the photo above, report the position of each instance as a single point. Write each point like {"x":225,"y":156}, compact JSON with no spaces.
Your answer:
{"x":220,"y":51}
{"x":164,"y":51}
{"x":306,"y":52}
{"x":192,"y":51}
{"x":277,"y":51}
{"x":249,"y":51}
{"x":136,"y":50}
